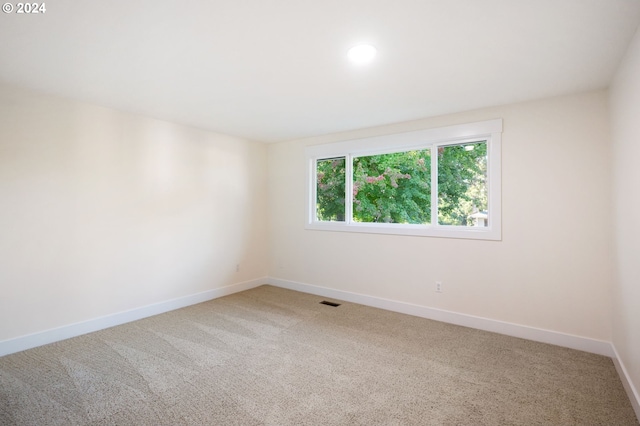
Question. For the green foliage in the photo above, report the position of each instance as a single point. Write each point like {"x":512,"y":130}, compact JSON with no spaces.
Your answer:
{"x":396,"y":188}
{"x":330,"y":189}
{"x":462,"y":187}
{"x":392,"y":188}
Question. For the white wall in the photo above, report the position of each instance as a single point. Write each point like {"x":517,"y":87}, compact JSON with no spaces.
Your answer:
{"x":103,"y":211}
{"x":625,"y":124}
{"x":553,"y":268}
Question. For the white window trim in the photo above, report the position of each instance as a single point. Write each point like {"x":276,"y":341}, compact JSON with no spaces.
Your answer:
{"x":490,"y":130}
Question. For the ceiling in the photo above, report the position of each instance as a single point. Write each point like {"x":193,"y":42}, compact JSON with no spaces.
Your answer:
{"x":273,"y":70}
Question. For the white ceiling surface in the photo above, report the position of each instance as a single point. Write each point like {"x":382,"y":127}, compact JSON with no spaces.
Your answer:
{"x":273,"y":70}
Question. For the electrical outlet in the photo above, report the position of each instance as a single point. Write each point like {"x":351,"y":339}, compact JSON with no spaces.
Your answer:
{"x":438,"y":286}
{"x":237,"y":267}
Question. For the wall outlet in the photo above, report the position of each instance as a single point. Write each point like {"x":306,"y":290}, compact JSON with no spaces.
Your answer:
{"x":237,"y":267}
{"x":438,"y":286}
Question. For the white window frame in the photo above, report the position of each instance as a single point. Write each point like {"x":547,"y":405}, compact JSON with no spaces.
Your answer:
{"x":489,"y":131}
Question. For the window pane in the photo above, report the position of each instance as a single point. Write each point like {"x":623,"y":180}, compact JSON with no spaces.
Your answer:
{"x":462,"y":184}
{"x":330,"y":190}
{"x":393,"y":188}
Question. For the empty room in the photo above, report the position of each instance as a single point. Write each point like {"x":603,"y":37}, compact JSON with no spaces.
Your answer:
{"x":320,"y":212}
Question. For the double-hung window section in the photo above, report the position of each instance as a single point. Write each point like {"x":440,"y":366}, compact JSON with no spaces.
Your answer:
{"x":442,"y":182}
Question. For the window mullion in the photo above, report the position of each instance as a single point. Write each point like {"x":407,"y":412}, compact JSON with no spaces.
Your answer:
{"x":434,"y":185}
{"x":348,"y":189}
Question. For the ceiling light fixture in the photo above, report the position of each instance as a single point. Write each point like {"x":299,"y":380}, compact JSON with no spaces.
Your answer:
{"x":362,"y":54}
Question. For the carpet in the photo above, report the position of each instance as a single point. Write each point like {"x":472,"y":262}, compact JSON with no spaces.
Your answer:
{"x":270,"y":356}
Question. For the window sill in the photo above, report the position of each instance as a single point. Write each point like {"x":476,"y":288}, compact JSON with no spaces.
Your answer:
{"x":438,"y":231}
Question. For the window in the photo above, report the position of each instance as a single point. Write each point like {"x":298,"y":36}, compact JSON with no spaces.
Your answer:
{"x":441,"y":182}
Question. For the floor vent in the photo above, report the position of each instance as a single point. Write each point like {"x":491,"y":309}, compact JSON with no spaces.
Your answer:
{"x":324,"y":302}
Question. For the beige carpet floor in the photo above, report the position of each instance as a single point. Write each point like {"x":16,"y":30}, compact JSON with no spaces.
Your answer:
{"x":270,"y":356}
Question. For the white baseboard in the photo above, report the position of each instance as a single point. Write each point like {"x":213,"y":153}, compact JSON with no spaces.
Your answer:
{"x":546,"y":336}
{"x":631,"y":390}
{"x":530,"y":333}
{"x":72,"y":330}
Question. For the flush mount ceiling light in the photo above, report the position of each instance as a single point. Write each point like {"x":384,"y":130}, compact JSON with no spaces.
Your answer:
{"x":361,"y":54}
